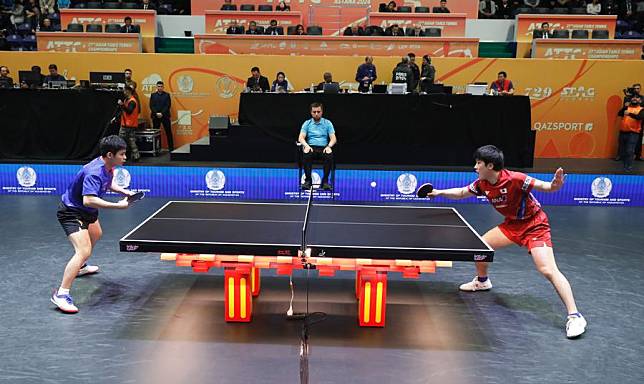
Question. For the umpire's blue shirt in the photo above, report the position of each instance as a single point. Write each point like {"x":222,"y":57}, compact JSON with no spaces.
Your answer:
{"x":317,"y":133}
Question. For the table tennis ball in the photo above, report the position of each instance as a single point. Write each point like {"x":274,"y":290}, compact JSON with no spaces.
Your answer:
{"x":373,"y":184}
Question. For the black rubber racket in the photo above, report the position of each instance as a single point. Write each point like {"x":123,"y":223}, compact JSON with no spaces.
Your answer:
{"x":424,"y":190}
{"x":135,"y":197}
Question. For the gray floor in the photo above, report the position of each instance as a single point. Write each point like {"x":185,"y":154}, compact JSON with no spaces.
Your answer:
{"x":147,"y":321}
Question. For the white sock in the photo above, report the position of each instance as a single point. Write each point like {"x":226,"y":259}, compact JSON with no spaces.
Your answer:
{"x":62,"y":291}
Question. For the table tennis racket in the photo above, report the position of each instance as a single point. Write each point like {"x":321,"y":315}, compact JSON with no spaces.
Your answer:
{"x":424,"y":190}
{"x":135,"y":197}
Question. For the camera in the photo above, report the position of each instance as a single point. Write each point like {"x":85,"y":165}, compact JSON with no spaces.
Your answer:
{"x":629,"y":91}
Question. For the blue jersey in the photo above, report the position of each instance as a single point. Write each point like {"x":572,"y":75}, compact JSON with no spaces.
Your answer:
{"x":317,"y":134}
{"x":92,"y":180}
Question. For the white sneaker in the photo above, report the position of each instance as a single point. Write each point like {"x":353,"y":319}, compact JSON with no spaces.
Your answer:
{"x":575,"y":326}
{"x":476,"y":285}
{"x":64,"y":302}
{"x":88,"y":270}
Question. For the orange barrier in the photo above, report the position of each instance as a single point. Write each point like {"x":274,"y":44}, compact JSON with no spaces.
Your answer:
{"x":218,"y":21}
{"x":526,"y":24}
{"x":336,"y":15}
{"x":335,"y":45}
{"x":88,"y":42}
{"x":146,"y":20}
{"x":587,"y":49}
{"x":451,"y":24}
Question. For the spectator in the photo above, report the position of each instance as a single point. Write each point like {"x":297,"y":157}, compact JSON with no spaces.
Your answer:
{"x":147,"y":5}
{"x":632,"y":115}
{"x":47,"y":7}
{"x":403,"y":74}
{"x":427,"y":74}
{"x":487,"y":9}
{"x":594,"y":8}
{"x":17,"y":13}
{"x":415,"y":72}
{"x":415,"y":32}
{"x":228,"y":6}
{"x":317,"y":137}
{"x":32,"y":13}
{"x":532,"y":3}
{"x":252,"y":29}
{"x":53,"y":74}
{"x":129,"y":27}
{"x":299,"y":30}
{"x":63,"y":4}
{"x":282,"y":7}
{"x":505,"y":10}
{"x":391,"y":7}
{"x":280,"y":84}
{"x":273,"y":29}
{"x":46,"y":25}
{"x":394,"y":30}
{"x":544,"y":32}
{"x":442,"y":9}
{"x":5,"y":80}
{"x":354,"y":30}
{"x":257,"y":82}
{"x":235,"y":29}
{"x":160,"y":105}
{"x":366,"y":74}
{"x":502,"y":86}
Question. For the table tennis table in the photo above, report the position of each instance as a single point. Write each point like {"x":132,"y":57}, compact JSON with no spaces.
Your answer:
{"x":244,"y":238}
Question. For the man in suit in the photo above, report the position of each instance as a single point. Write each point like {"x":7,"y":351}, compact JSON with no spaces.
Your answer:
{"x":235,"y":29}
{"x":129,"y":27}
{"x":273,"y":29}
{"x":442,"y":9}
{"x":148,"y":5}
{"x":257,"y":82}
{"x":544,"y":32}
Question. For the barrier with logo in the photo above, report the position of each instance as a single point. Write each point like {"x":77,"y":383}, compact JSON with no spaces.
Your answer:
{"x":89,"y":42}
{"x":335,"y":45}
{"x":527,"y":23}
{"x":451,"y":24}
{"x":587,"y":49}
{"x":218,"y":21}
{"x":146,"y":20}
{"x":375,"y":186}
{"x":574,"y":102}
{"x":336,"y":15}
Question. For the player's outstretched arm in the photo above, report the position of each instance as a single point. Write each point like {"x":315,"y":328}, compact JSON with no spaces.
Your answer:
{"x":552,"y":186}
{"x":452,"y":193}
{"x":97,"y":202}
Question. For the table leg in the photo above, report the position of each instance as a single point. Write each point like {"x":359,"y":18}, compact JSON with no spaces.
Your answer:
{"x":373,"y":299}
{"x":238,"y":297}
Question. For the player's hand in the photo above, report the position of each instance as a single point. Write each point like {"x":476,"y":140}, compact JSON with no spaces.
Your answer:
{"x":327,"y":150}
{"x":307,"y":148}
{"x":122,"y":204}
{"x":558,"y":180}
{"x":434,"y":193}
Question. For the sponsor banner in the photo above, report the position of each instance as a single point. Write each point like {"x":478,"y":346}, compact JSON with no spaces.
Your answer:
{"x":335,"y":45}
{"x":373,"y":186}
{"x":89,"y":42}
{"x":451,"y":24}
{"x":574,"y":102}
{"x":527,"y":23}
{"x":335,"y":15}
{"x":146,"y":20}
{"x":587,"y":49}
{"x":218,"y":21}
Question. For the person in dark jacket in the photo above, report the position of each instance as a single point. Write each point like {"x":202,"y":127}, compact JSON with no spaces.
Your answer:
{"x":257,"y":82}
{"x":427,"y":74}
{"x":366,"y":74}
{"x":160,"y":104}
{"x":403,"y":74}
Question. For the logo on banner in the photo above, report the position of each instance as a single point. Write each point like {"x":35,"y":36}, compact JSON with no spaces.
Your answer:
{"x":578,"y":94}
{"x":185,"y":84}
{"x":601,"y":187}
{"x":149,"y":84}
{"x":215,"y":180}
{"x":26,"y":176}
{"x":226,"y":87}
{"x":407,"y":183}
{"x":122,"y":177}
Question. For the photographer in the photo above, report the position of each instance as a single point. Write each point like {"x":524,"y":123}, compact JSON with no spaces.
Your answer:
{"x":630,"y":130}
{"x":129,"y":122}
{"x":634,"y":90}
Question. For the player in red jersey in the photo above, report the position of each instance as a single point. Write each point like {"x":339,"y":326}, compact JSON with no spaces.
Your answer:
{"x":526,"y":224}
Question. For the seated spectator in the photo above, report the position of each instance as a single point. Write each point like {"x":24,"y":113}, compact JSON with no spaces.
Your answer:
{"x":394,"y":30}
{"x":391,"y":7}
{"x":64,"y":4}
{"x":235,"y":29}
{"x":594,"y":8}
{"x":505,"y":10}
{"x":228,"y":6}
{"x":129,"y":27}
{"x":32,"y":13}
{"x":328,"y":79}
{"x":487,"y":9}
{"x":147,"y":5}
{"x":46,"y":25}
{"x":354,"y":31}
{"x":252,"y":29}
{"x":282,"y":7}
{"x":273,"y":29}
{"x":53,"y":75}
{"x":280,"y":84}
{"x":5,"y":80}
{"x":257,"y":82}
{"x":402,"y":73}
{"x":415,"y":32}
{"x":442,"y":9}
{"x":502,"y":86}
{"x":17,"y":13}
{"x":544,"y":32}
{"x":299,"y":30}
{"x":47,"y":7}
{"x":531,"y":3}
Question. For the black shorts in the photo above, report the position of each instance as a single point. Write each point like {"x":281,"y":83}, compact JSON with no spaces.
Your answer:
{"x":73,"y":220}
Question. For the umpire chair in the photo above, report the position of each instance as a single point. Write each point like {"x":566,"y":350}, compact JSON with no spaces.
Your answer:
{"x":299,"y":155}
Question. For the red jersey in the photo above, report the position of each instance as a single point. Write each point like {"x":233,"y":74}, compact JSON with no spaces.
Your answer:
{"x":510,"y":195}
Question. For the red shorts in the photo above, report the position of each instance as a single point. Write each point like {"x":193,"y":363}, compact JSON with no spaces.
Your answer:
{"x":530,"y":233}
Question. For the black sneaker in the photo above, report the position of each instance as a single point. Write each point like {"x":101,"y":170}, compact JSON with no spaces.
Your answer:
{"x":306,"y":185}
{"x":326,"y":186}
